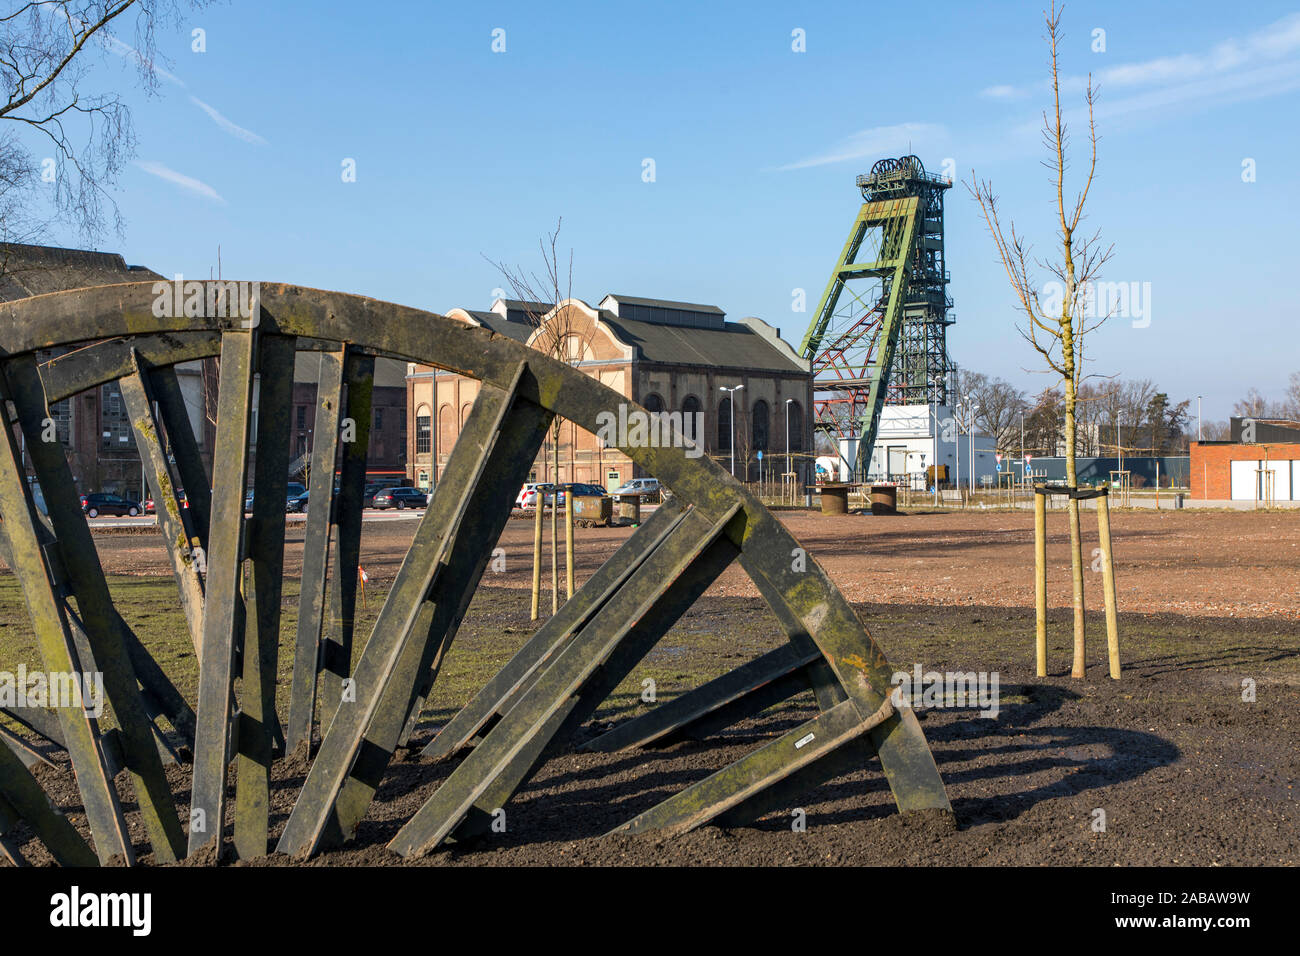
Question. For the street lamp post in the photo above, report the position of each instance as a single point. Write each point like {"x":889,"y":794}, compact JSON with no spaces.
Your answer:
{"x":957,"y":444}
{"x":1199,"y":434}
{"x":971,"y":433}
{"x":787,"y":448}
{"x":1023,"y":476}
{"x":731,"y":398}
{"x":934,"y":404}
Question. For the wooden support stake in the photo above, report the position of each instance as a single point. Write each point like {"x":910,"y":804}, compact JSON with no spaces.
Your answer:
{"x":568,"y":544}
{"x":1040,"y":580}
{"x":1108,"y":584}
{"x":540,"y":505}
{"x":555,"y":551}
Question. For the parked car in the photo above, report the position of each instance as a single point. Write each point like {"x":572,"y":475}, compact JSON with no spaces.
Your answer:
{"x":295,"y":497}
{"x":581,"y":489}
{"x":527,"y":497}
{"x":372,"y":488}
{"x":99,"y":503}
{"x":151,"y":506}
{"x":646,"y":487}
{"x":400,"y":498}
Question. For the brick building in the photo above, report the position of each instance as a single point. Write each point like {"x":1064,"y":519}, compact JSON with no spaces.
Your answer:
{"x":93,"y":426}
{"x":1261,"y":452}
{"x":386,"y":454}
{"x":672,"y":357}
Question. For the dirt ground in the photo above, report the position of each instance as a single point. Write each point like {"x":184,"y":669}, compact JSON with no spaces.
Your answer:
{"x":1196,"y":563}
{"x":1186,"y":771}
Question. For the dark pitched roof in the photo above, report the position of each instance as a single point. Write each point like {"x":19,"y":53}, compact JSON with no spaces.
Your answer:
{"x":36,"y":270}
{"x":524,"y":306}
{"x":733,"y":345}
{"x":516,"y":329}
{"x":665,"y":304}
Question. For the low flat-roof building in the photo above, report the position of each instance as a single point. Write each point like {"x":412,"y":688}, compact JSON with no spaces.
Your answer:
{"x":667,"y":356}
{"x":1260,"y":462}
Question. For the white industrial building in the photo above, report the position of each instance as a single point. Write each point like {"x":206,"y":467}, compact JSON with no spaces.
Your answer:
{"x":909,"y":440}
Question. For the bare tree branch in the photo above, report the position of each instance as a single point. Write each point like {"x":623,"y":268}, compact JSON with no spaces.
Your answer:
{"x":45,"y":52}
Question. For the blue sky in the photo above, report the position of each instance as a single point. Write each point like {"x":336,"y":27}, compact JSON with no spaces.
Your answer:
{"x":462,"y":152}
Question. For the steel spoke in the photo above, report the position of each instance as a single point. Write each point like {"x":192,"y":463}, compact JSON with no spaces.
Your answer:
{"x":336,"y":642}
{"x":687,"y":713}
{"x":137,"y":395}
{"x":97,"y":614}
{"x":21,"y":796}
{"x":644,"y":607}
{"x":258,"y":722}
{"x":315,"y":555}
{"x":499,"y":694}
{"x":404,"y":642}
{"x":223,"y":616}
{"x":753,"y":774}
{"x":80,"y":730}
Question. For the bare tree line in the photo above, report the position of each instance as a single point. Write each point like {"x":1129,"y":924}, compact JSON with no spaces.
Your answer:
{"x":1111,"y":415}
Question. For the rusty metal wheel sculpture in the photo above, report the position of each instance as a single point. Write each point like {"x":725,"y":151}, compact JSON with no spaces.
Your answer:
{"x":228,"y":569}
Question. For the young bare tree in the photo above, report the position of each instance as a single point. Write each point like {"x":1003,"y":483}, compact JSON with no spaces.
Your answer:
{"x":540,"y":296}
{"x":1057,"y":332}
{"x":85,"y":136}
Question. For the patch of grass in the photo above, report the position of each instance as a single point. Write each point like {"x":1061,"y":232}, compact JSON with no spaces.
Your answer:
{"x":713,"y":637}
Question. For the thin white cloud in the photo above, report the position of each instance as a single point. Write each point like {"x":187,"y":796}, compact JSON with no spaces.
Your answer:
{"x":1277,"y":41}
{"x":1003,"y":92}
{"x":188,"y":183}
{"x":128,"y":52}
{"x":1272,"y":80}
{"x":874,"y":143}
{"x":247,"y":135}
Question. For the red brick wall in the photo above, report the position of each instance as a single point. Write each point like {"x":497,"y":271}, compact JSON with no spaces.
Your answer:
{"x":1211,"y":478}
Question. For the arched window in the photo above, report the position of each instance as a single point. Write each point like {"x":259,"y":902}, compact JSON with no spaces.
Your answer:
{"x":691,"y":408}
{"x":446,"y":428}
{"x":762,"y":425}
{"x":464,"y":413}
{"x":653,"y":403}
{"x":423,"y":431}
{"x":724,"y":425}
{"x":794,"y":414}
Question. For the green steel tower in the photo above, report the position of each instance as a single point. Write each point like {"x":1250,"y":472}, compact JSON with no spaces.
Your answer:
{"x":879,"y":334}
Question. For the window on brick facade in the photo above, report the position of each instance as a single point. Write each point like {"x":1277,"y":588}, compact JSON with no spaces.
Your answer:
{"x":794,"y":412}
{"x":423,"y":431}
{"x":761,"y":425}
{"x":115,"y":423}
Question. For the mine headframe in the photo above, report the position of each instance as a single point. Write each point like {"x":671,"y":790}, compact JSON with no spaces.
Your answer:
{"x":879,"y":334}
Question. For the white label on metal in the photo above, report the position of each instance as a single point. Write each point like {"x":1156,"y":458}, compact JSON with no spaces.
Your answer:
{"x":804,"y":740}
